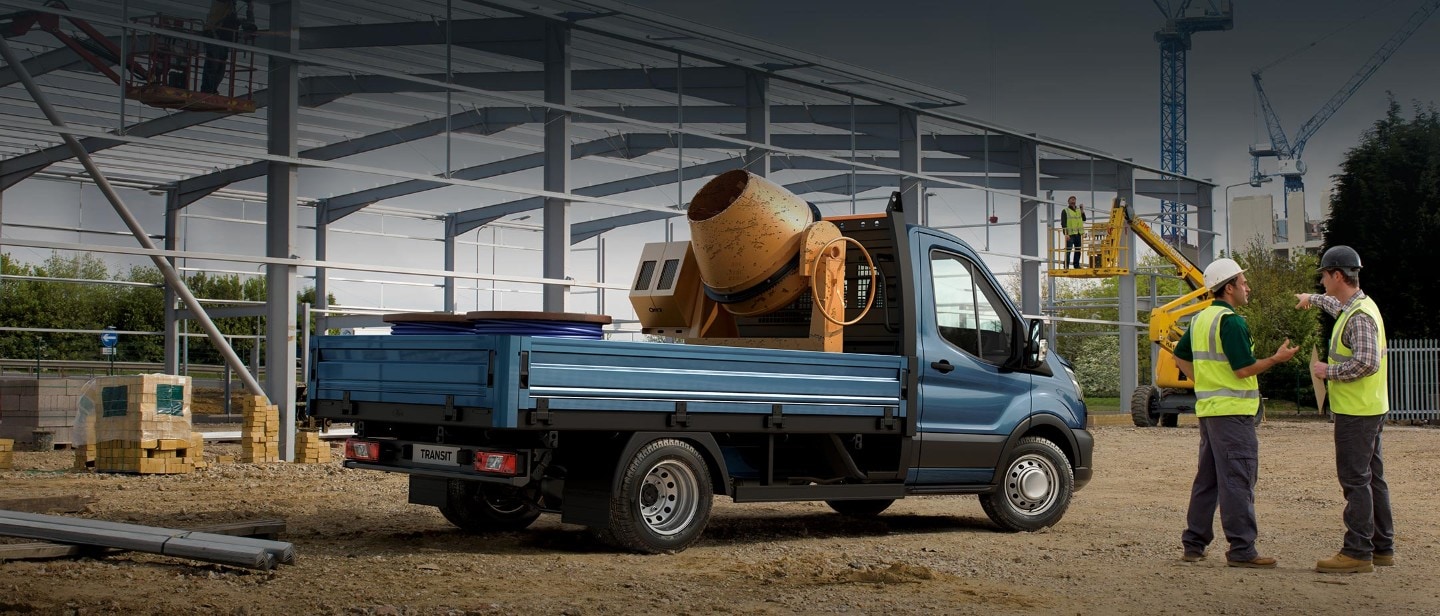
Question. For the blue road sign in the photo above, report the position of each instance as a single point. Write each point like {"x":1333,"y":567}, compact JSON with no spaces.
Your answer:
{"x":108,"y":338}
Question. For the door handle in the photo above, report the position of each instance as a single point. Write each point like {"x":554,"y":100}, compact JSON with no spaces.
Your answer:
{"x":943,"y":366}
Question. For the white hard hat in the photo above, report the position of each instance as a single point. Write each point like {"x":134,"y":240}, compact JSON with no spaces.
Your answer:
{"x":1221,"y":271}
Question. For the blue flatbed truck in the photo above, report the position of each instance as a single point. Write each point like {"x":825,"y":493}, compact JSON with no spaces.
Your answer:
{"x":943,"y":388}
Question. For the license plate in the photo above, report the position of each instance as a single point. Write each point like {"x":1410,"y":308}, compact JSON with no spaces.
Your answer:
{"x":435,"y":455}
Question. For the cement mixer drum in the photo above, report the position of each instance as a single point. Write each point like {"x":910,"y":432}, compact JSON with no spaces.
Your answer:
{"x":747,"y":233}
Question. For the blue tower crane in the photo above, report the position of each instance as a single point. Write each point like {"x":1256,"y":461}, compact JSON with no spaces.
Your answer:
{"x":1286,"y":152}
{"x":1174,"y":38}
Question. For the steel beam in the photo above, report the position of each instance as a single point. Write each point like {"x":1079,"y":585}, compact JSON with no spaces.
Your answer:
{"x":13,"y":170}
{"x":341,"y":206}
{"x":520,"y":37}
{"x":481,"y":216}
{"x":912,"y":190}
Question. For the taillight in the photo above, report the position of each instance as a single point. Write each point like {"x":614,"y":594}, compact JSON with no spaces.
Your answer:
{"x":497,"y":462}
{"x":364,"y":451}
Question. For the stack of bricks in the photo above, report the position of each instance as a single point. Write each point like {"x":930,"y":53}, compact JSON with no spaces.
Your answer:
{"x":309,"y":449}
{"x":142,"y":425}
{"x":164,"y":456}
{"x":260,"y":434}
{"x":7,"y":454}
{"x":47,"y":405}
{"x":196,"y":450}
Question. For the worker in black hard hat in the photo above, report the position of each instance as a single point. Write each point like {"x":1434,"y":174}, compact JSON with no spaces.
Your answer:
{"x":1355,"y":368}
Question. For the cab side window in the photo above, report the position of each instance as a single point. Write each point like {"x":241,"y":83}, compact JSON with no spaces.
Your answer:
{"x":969,"y":311}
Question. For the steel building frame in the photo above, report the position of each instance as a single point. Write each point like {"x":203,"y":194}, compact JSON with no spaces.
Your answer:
{"x":589,"y":114}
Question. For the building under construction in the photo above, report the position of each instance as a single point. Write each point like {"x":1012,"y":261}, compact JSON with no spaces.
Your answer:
{"x":457,"y":155}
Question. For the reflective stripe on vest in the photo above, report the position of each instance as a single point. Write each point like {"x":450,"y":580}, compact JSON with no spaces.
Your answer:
{"x":1074,"y":222}
{"x":1218,"y":392}
{"x":1366,"y":396}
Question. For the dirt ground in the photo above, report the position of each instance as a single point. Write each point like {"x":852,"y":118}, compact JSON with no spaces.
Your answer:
{"x":362,"y":550}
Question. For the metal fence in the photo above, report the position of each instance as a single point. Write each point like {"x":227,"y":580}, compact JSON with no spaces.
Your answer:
{"x":1414,"y":379}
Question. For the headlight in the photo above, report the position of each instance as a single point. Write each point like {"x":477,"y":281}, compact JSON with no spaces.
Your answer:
{"x":1074,"y":381}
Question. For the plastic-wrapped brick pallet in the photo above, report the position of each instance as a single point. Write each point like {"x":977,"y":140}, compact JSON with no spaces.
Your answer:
{"x":136,"y":424}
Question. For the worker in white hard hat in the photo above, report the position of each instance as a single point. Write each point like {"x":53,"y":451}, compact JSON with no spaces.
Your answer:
{"x":1355,"y":369}
{"x":1215,"y":353}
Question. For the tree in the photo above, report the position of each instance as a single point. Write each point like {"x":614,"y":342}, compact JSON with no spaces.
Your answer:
{"x":1271,"y":315}
{"x":1386,"y":206}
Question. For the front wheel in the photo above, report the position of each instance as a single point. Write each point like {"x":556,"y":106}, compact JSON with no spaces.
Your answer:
{"x":1035,"y":490}
{"x":664,"y":499}
{"x":478,"y":507}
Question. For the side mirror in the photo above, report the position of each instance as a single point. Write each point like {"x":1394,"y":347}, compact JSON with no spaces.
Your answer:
{"x":1037,"y":349}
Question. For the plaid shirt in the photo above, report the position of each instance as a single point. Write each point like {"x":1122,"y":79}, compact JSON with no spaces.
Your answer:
{"x":1361,"y":335}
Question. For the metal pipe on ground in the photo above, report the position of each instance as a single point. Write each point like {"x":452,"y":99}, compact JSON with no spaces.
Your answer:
{"x":284,"y":552}
{"x":171,"y":276}
{"x":260,"y":554}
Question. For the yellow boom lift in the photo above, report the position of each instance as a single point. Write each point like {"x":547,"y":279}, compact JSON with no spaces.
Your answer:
{"x":1104,"y":255}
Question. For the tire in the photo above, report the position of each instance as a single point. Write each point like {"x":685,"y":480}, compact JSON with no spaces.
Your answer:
{"x":1145,"y":406}
{"x":477,"y":507}
{"x":860,"y":508}
{"x":1035,"y":489}
{"x":664,"y":499}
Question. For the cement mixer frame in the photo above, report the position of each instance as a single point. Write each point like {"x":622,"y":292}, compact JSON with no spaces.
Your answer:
{"x":941,"y":388}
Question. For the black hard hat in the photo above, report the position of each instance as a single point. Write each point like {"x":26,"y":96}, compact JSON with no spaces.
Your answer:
{"x":1340,"y":257}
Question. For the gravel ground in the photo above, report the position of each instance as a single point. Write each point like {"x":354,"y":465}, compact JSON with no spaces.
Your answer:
{"x":363,"y":550}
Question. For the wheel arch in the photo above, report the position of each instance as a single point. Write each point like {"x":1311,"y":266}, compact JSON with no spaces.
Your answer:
{"x":703,"y":442}
{"x":1047,"y":426}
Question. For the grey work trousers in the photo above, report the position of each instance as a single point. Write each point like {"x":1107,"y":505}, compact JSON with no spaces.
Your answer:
{"x":1229,"y":464}
{"x":1369,"y":526}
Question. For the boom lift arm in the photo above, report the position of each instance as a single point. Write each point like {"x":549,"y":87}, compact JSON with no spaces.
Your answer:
{"x":1106,"y":255}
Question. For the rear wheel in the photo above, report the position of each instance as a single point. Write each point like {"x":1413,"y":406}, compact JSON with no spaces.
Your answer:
{"x":477,"y":507}
{"x":664,"y":499}
{"x":1035,"y":490}
{"x":860,"y":508}
{"x":1145,"y":406}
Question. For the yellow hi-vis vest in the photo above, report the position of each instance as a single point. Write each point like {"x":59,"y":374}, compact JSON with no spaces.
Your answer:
{"x":1366,"y":395}
{"x":1074,"y":222}
{"x":1218,"y":392}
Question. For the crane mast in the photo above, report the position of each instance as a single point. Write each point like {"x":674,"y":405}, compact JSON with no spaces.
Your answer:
{"x":1174,"y":39}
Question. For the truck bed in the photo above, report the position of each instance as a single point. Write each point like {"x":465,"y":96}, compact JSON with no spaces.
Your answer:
{"x":485,"y":381}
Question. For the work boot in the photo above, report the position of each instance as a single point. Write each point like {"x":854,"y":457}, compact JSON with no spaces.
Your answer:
{"x":1383,"y":560}
{"x":1259,"y":562}
{"x":1341,"y":563}
{"x":1192,"y":557}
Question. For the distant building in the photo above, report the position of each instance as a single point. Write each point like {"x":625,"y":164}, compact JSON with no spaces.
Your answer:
{"x":1255,"y":217}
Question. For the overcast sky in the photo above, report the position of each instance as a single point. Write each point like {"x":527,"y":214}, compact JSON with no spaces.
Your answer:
{"x":1089,"y":72}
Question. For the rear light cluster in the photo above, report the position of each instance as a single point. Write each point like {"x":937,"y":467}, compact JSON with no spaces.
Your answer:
{"x":497,"y":462}
{"x":364,"y":451}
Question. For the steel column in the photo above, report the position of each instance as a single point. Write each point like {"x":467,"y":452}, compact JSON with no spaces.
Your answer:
{"x":1030,"y":227}
{"x":1129,"y":334}
{"x":557,"y":164}
{"x":912,"y":190}
{"x":280,"y":214}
